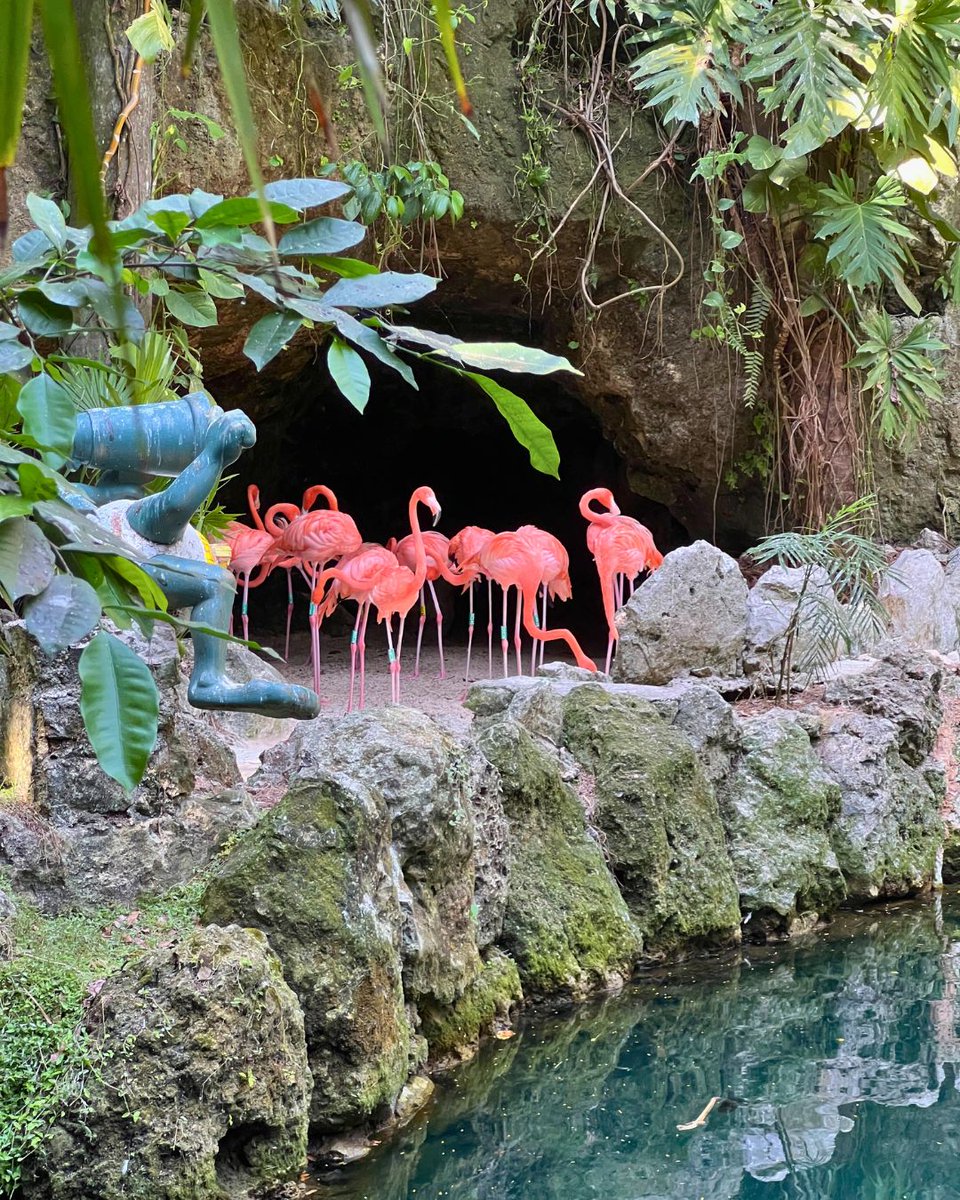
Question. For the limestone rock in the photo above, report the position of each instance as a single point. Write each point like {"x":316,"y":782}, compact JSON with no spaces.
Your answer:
{"x":454,"y":1031}
{"x":889,"y":829}
{"x":690,"y":617}
{"x":207,"y":1050}
{"x":792,"y":594}
{"x":915,"y":595}
{"x":566,"y":925}
{"x":318,"y":876}
{"x":778,"y":809}
{"x":658,"y":817}
{"x":414,"y":1096}
{"x":70,"y":836}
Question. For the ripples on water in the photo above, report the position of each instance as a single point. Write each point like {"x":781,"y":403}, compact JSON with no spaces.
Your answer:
{"x":838,"y":1055}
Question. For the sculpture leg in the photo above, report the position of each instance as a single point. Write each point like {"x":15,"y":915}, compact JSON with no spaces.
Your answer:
{"x":209,"y":590}
{"x":162,"y":518}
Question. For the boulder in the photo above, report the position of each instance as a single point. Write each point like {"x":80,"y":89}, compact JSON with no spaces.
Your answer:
{"x":566,"y":925}
{"x":453,"y":1031}
{"x":202,"y":1086}
{"x":778,"y":809}
{"x":889,"y":830}
{"x":70,"y":837}
{"x":689,"y":618}
{"x":658,"y":817}
{"x":915,"y":594}
{"x":318,"y":875}
{"x":804,"y":598}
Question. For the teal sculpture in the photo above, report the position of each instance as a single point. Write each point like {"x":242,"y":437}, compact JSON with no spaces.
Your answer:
{"x":192,"y":441}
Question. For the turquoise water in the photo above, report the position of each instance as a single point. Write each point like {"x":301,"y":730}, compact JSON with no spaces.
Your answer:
{"x":837,"y":1057}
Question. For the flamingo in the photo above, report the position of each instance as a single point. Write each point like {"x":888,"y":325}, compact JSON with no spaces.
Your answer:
{"x":437,"y":548}
{"x":525,"y":559}
{"x":311,"y":540}
{"x":398,"y":587}
{"x":621,"y":548}
{"x":464,"y":550}
{"x":307,"y":502}
{"x":248,"y":546}
{"x":353,"y":579}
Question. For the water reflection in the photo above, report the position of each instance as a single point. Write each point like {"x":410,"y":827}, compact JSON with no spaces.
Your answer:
{"x":837,"y":1058}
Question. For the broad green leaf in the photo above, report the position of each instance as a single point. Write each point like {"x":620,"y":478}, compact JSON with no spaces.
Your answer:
{"x":269,"y":336}
{"x":9,"y":391}
{"x":370,"y":340}
{"x":524,"y":424}
{"x":917,"y":173}
{"x":76,"y":119}
{"x":325,"y":235}
{"x":63,"y":613}
{"x":221,"y":286}
{"x":41,"y":316}
{"x":14,"y":356}
{"x":14,"y":506}
{"x":119,"y":705}
{"x":244,"y":210}
{"x":349,"y":373}
{"x":191,"y":306}
{"x":762,"y":153}
{"x":865,"y":237}
{"x":222,"y":17}
{"x":48,"y":218}
{"x":507,"y":356}
{"x":379,"y":291}
{"x":8,"y":331}
{"x":170,"y":221}
{"x":34,"y":483}
{"x":49,"y":416}
{"x":71,"y":294}
{"x":306,"y":193}
{"x":31,"y":248}
{"x":688,"y":76}
{"x":27,"y":563}
{"x":346,"y":268}
{"x":150,"y":35}
{"x":135,"y":577}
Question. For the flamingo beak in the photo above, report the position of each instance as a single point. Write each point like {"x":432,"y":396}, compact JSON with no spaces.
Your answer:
{"x":436,"y":516}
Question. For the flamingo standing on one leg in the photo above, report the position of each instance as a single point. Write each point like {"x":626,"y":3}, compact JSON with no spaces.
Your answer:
{"x":354,"y":579}
{"x":464,"y":549}
{"x":248,"y":547}
{"x":437,"y":548}
{"x":524,"y":560}
{"x":398,"y":587}
{"x":622,"y":548}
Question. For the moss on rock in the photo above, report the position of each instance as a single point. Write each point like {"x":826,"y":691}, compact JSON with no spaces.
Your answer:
{"x":566,"y":924}
{"x":456,"y":1029}
{"x":317,"y":876}
{"x":659,"y":818}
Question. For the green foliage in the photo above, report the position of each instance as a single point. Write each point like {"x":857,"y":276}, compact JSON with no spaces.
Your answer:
{"x":57,"y":967}
{"x":416,"y":191}
{"x":900,"y":370}
{"x":120,"y":708}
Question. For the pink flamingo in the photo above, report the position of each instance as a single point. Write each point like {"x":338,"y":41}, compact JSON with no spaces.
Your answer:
{"x":526,"y":560}
{"x":311,"y":541}
{"x":248,"y":546}
{"x":307,"y":502}
{"x":464,"y":549}
{"x":353,"y":579}
{"x":437,"y":549}
{"x":398,"y":587}
{"x":622,"y":548}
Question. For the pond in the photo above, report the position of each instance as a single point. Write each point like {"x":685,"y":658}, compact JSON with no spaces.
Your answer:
{"x":835,"y":1057}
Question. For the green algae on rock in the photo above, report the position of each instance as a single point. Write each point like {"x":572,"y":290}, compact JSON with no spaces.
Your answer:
{"x":317,"y":875}
{"x":455,"y":1030}
{"x":566,"y":924}
{"x":659,"y":819}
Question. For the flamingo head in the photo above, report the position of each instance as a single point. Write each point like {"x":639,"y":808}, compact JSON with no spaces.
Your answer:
{"x":319,"y":489}
{"x":253,"y":497}
{"x":424,"y":495}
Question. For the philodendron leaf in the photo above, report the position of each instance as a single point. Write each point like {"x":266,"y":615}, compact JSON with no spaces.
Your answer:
{"x":379,"y":291}
{"x":269,"y":336}
{"x":507,"y":356}
{"x":63,"y":613}
{"x":27,"y":563}
{"x":49,"y":417}
{"x":524,"y":424}
{"x":349,"y":373}
{"x":119,"y":706}
{"x":325,"y":235}
{"x":306,"y":193}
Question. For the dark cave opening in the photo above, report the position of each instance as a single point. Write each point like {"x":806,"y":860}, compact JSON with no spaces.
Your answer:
{"x":450,"y":436}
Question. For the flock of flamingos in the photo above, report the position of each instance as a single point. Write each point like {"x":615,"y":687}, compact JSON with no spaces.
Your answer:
{"x":326,"y":548}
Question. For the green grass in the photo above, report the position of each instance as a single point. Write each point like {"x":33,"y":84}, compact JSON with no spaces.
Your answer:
{"x":57,"y":965}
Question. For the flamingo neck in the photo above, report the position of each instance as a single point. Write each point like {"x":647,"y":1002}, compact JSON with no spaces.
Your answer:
{"x":589,"y":514}
{"x":420,"y":550}
{"x":253,"y":501}
{"x":290,"y":511}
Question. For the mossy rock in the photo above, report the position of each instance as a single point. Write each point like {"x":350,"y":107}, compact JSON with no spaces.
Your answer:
{"x":779,"y":808}
{"x":317,"y":876}
{"x":456,"y":1029}
{"x":566,"y":925}
{"x":659,"y":819}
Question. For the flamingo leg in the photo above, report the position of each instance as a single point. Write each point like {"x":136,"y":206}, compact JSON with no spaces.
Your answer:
{"x":315,"y":645}
{"x":543,"y":625}
{"x":354,"y":639}
{"x":286,"y":646}
{"x":423,"y":619}
{"x":633,"y":584}
{"x":609,"y":653}
{"x":394,"y":663}
{"x":399,"y":644}
{"x":618,"y":590}
{"x":516,"y":639}
{"x":362,"y":647}
{"x":436,"y":605}
{"x":243,"y":608}
{"x":490,"y":628}
{"x":470,"y":623}
{"x":535,"y":648}
{"x":504,"y":644}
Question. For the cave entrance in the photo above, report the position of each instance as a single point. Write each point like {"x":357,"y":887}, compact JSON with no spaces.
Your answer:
{"x":450,"y":436}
